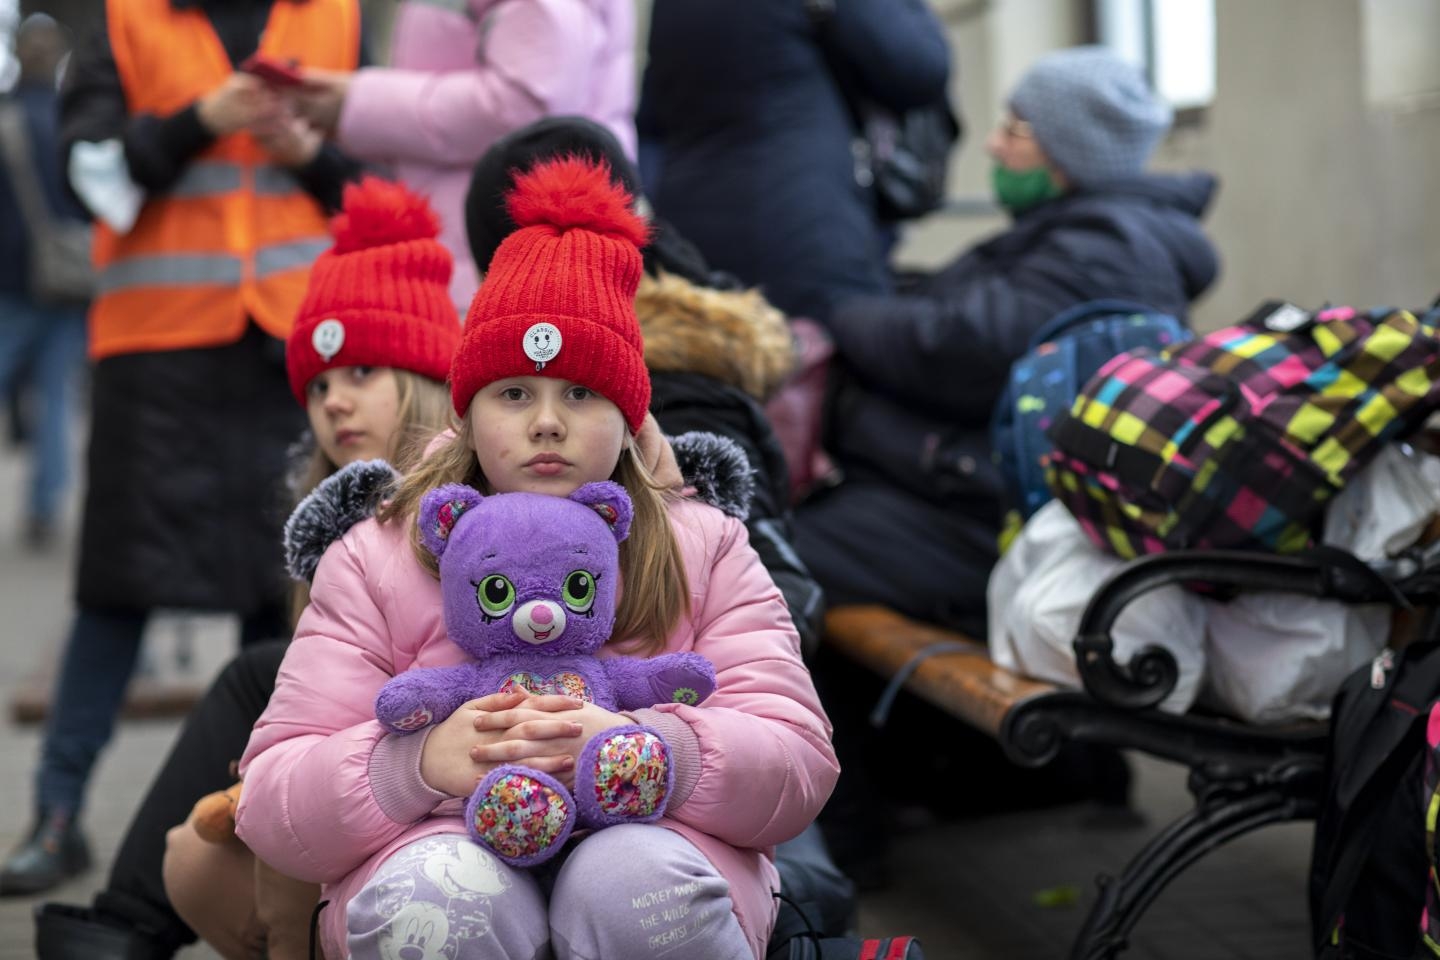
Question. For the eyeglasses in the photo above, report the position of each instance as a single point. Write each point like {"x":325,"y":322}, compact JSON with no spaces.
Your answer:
{"x":1016,"y":128}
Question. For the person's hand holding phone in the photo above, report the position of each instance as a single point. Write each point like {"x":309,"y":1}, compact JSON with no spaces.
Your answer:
{"x":289,"y":139}
{"x":241,"y":101}
{"x":320,"y":97}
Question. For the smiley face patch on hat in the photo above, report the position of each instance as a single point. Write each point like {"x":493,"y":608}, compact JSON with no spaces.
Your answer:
{"x":328,"y":338}
{"x":542,"y":343}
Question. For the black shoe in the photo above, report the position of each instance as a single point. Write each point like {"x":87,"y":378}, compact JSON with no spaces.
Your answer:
{"x":66,"y":932}
{"x":39,"y":534}
{"x":54,"y":853}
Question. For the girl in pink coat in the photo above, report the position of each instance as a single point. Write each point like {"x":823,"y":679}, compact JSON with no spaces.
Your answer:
{"x":550,"y":387}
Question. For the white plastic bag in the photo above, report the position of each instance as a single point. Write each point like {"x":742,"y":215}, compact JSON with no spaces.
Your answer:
{"x":1040,"y":588}
{"x":1277,"y":657}
{"x":1388,"y":504}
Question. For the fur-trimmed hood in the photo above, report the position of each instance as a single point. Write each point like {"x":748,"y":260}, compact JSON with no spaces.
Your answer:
{"x":734,"y":336}
{"x":715,"y":467}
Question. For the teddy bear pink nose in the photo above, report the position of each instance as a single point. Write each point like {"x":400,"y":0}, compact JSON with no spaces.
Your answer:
{"x":542,"y":614}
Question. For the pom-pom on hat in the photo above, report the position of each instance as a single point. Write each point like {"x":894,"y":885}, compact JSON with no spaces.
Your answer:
{"x":487,"y":219}
{"x":559,"y":297}
{"x":380,"y":295}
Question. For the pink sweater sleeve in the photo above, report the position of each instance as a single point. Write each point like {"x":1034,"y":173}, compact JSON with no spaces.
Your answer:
{"x":309,"y":807}
{"x":766,"y":764}
{"x":534,"y":59}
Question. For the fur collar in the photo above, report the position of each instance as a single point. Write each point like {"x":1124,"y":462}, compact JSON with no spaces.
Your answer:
{"x":336,"y":504}
{"x":734,"y":336}
{"x":716,"y":467}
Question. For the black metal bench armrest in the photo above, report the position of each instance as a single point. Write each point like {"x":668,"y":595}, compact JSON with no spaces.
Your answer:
{"x":1152,"y":673}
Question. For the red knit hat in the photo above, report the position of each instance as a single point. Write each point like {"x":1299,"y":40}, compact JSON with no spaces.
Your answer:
{"x":380,"y":296}
{"x":559,"y":297}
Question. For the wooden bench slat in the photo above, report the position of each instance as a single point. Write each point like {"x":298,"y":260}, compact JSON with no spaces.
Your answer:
{"x":966,"y":683}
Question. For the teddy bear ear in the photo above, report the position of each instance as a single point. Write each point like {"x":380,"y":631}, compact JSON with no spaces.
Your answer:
{"x":610,"y":501}
{"x":440,"y":510}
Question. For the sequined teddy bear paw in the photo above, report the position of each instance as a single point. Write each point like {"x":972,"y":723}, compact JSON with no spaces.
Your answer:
{"x":624,"y":776}
{"x":521,"y":815}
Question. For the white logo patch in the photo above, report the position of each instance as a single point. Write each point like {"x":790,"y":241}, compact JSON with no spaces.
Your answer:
{"x":328,"y":338}
{"x":542,"y":342}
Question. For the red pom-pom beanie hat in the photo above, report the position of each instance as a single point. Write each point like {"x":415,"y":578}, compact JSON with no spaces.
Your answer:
{"x":559,"y":297}
{"x":379,"y":297}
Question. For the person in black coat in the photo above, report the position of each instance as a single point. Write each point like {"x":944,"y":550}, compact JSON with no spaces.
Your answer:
{"x":715,"y":352}
{"x":913,"y":525}
{"x":187,"y":446}
{"x":751,"y":137}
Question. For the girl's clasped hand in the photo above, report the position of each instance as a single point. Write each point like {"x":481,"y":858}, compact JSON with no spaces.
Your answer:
{"x":546,"y":732}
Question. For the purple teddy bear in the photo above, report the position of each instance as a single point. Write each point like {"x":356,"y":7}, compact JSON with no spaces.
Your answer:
{"x":529,"y":586}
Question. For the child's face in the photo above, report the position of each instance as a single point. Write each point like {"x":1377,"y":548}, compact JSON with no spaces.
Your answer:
{"x":354,"y":412}
{"x":543,"y":435}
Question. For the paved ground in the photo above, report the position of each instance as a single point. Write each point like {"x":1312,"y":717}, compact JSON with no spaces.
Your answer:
{"x":1012,"y":887}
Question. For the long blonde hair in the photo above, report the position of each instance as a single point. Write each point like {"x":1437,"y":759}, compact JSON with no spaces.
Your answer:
{"x":424,"y":410}
{"x":650,"y":560}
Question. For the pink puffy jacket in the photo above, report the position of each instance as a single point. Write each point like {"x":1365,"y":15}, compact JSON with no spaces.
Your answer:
{"x":464,"y":73}
{"x":318,"y":804}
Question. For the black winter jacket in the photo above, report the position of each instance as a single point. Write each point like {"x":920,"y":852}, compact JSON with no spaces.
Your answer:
{"x":925,"y":368}
{"x":684,"y":402}
{"x":712,"y":354}
{"x":754,"y":137}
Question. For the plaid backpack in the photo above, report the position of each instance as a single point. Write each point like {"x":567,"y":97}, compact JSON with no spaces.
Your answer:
{"x":1238,"y":439}
{"x":1062,"y":355}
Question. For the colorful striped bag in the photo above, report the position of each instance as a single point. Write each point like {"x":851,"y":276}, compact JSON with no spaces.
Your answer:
{"x":1238,"y":439}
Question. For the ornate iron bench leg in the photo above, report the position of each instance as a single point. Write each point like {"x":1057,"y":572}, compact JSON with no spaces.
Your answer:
{"x":1228,"y":804}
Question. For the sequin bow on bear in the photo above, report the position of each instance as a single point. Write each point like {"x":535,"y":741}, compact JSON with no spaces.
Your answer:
{"x":529,"y":585}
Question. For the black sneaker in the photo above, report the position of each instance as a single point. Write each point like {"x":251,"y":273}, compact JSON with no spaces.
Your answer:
{"x":39,"y":534}
{"x":54,"y":853}
{"x":66,"y":932}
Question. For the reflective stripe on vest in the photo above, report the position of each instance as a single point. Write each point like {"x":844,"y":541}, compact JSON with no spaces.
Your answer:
{"x":208,"y":178}
{"x":275,"y":182}
{"x":288,"y":256}
{"x":205,"y":269}
{"x":172,"y":270}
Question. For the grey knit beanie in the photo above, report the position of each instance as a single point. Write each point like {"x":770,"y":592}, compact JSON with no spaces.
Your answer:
{"x":1092,"y":113}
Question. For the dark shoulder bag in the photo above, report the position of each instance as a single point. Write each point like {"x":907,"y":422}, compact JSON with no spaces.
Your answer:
{"x":60,"y":268}
{"x":904,"y":157}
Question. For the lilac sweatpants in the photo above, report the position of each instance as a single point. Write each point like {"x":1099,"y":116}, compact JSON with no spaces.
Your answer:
{"x":635,"y":891}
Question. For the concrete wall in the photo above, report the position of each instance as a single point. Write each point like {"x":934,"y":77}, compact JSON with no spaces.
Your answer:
{"x":1324,"y":196}
{"x":1330,"y":189}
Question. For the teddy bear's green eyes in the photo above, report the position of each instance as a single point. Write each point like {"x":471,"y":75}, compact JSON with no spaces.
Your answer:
{"x":496,"y":595}
{"x":579,"y":591}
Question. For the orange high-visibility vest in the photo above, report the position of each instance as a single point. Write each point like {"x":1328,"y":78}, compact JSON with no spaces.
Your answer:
{"x":235,"y":235}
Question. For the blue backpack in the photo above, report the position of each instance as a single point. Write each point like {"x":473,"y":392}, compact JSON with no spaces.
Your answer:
{"x":1044,"y":382}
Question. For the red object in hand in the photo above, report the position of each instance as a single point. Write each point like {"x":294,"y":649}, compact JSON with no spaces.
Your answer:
{"x":278,"y":73}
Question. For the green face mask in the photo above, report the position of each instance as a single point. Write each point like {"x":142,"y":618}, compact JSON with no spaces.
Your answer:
{"x":1019,"y":190}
